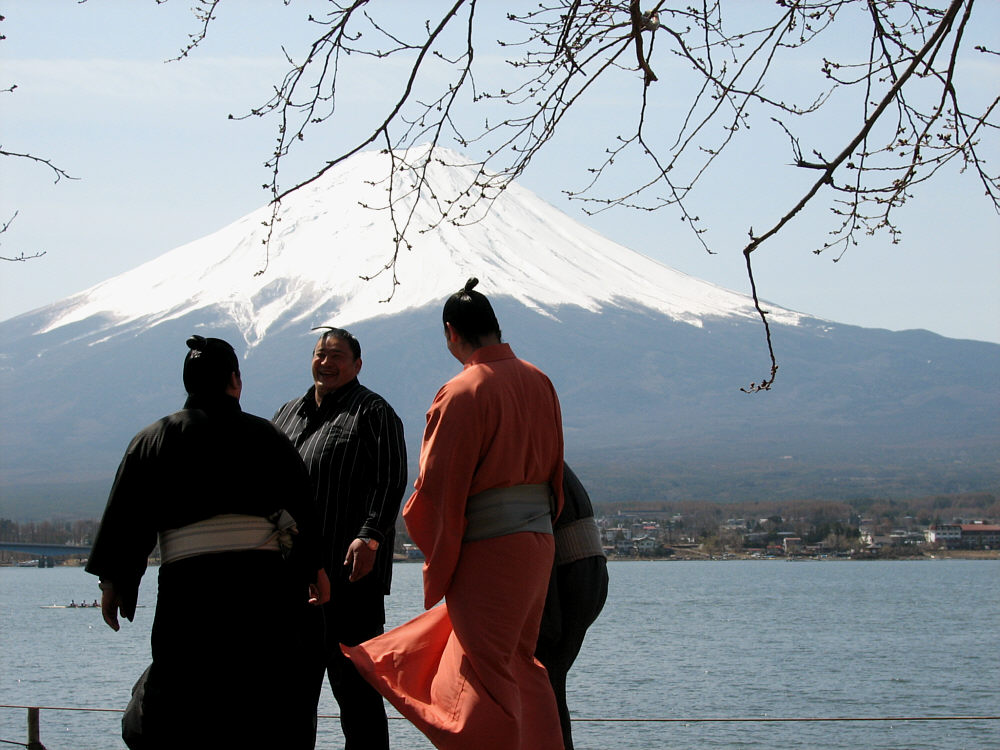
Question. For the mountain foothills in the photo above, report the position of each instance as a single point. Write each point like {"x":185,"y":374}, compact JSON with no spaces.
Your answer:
{"x":648,"y":362}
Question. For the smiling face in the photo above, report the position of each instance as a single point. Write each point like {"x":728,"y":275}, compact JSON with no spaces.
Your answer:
{"x":333,"y":365}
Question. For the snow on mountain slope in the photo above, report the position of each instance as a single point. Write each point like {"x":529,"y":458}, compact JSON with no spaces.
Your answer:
{"x":327,"y":240}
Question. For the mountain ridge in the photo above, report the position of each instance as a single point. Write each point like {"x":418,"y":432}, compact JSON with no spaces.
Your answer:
{"x":648,"y":362}
{"x":327,"y":239}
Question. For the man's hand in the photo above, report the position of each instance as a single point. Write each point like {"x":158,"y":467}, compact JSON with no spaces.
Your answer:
{"x":360,"y":559}
{"x":319,"y":592}
{"x":110,"y":605}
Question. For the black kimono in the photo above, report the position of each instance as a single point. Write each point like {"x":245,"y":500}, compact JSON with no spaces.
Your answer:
{"x":226,"y":636}
{"x":578,"y":589}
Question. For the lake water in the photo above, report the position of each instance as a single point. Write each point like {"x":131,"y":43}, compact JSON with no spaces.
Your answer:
{"x":677,"y":640}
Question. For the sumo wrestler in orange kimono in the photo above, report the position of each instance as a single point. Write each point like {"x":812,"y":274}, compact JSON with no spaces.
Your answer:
{"x":490,"y":482}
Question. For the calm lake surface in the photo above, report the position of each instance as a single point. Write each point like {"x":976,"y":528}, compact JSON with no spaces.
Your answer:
{"x":677,"y":640}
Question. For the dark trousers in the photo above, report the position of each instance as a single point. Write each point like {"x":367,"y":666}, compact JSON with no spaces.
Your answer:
{"x":352,"y":616}
{"x":577,"y":592}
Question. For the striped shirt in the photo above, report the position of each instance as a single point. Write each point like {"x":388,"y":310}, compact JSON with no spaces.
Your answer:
{"x":353,"y":447}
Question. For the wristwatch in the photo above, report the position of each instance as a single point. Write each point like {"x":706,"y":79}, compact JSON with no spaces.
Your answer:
{"x":370,"y":543}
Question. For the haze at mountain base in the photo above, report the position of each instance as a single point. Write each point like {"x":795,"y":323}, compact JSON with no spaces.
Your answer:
{"x":648,"y":362}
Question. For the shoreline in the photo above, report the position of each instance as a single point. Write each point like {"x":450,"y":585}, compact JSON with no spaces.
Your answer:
{"x":735,"y":556}
{"x":731,"y":556}
{"x":688,"y":556}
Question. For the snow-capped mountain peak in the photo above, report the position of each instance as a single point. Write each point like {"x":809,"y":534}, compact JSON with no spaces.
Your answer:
{"x":335,"y":232}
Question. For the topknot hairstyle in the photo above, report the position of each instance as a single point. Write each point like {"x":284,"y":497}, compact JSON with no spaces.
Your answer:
{"x":208,"y":365}
{"x":471,"y":314}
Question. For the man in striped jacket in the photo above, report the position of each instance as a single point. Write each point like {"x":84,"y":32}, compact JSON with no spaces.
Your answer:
{"x":352,"y":444}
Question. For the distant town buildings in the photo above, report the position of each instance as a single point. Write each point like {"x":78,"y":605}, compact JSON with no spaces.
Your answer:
{"x":792,"y":545}
{"x":640,"y":533}
{"x":965,"y":535}
{"x":636,"y":533}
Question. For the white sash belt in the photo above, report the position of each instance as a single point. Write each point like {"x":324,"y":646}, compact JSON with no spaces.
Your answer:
{"x":225,"y":533}
{"x":578,"y":540}
{"x":509,"y":510}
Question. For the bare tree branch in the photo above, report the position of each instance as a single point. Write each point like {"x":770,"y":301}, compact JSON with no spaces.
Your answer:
{"x":57,"y":171}
{"x":21,"y":256}
{"x":903,"y":94}
{"x":920,"y":59}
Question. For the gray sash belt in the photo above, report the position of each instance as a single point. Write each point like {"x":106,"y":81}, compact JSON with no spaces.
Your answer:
{"x":225,"y":533}
{"x":578,"y":540}
{"x":509,"y":510}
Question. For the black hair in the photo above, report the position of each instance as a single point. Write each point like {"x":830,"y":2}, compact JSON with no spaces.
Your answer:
{"x":342,"y":334}
{"x":208,"y":365}
{"x":471,"y":314}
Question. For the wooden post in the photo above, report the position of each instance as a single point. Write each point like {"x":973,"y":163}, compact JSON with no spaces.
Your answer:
{"x":33,"y":742}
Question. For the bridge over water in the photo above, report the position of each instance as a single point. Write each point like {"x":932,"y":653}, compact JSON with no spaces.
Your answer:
{"x":46,"y":550}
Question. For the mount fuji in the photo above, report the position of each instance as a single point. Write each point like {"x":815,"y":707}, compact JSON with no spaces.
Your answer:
{"x":648,"y":361}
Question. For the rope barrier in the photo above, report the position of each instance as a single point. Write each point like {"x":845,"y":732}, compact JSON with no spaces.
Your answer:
{"x":633,"y":719}
{"x":595,"y":719}
{"x":766,"y":719}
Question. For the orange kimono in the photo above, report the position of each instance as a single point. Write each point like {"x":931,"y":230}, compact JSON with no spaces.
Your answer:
{"x":464,"y":672}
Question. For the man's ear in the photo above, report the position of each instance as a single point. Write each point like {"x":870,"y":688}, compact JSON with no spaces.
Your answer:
{"x":450,"y":333}
{"x":235,"y":386}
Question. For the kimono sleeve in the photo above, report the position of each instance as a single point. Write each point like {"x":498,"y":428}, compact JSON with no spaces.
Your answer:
{"x":127,"y":534}
{"x":435,"y":513}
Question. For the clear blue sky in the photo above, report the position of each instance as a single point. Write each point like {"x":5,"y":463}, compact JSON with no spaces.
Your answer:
{"x":160,"y":164}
